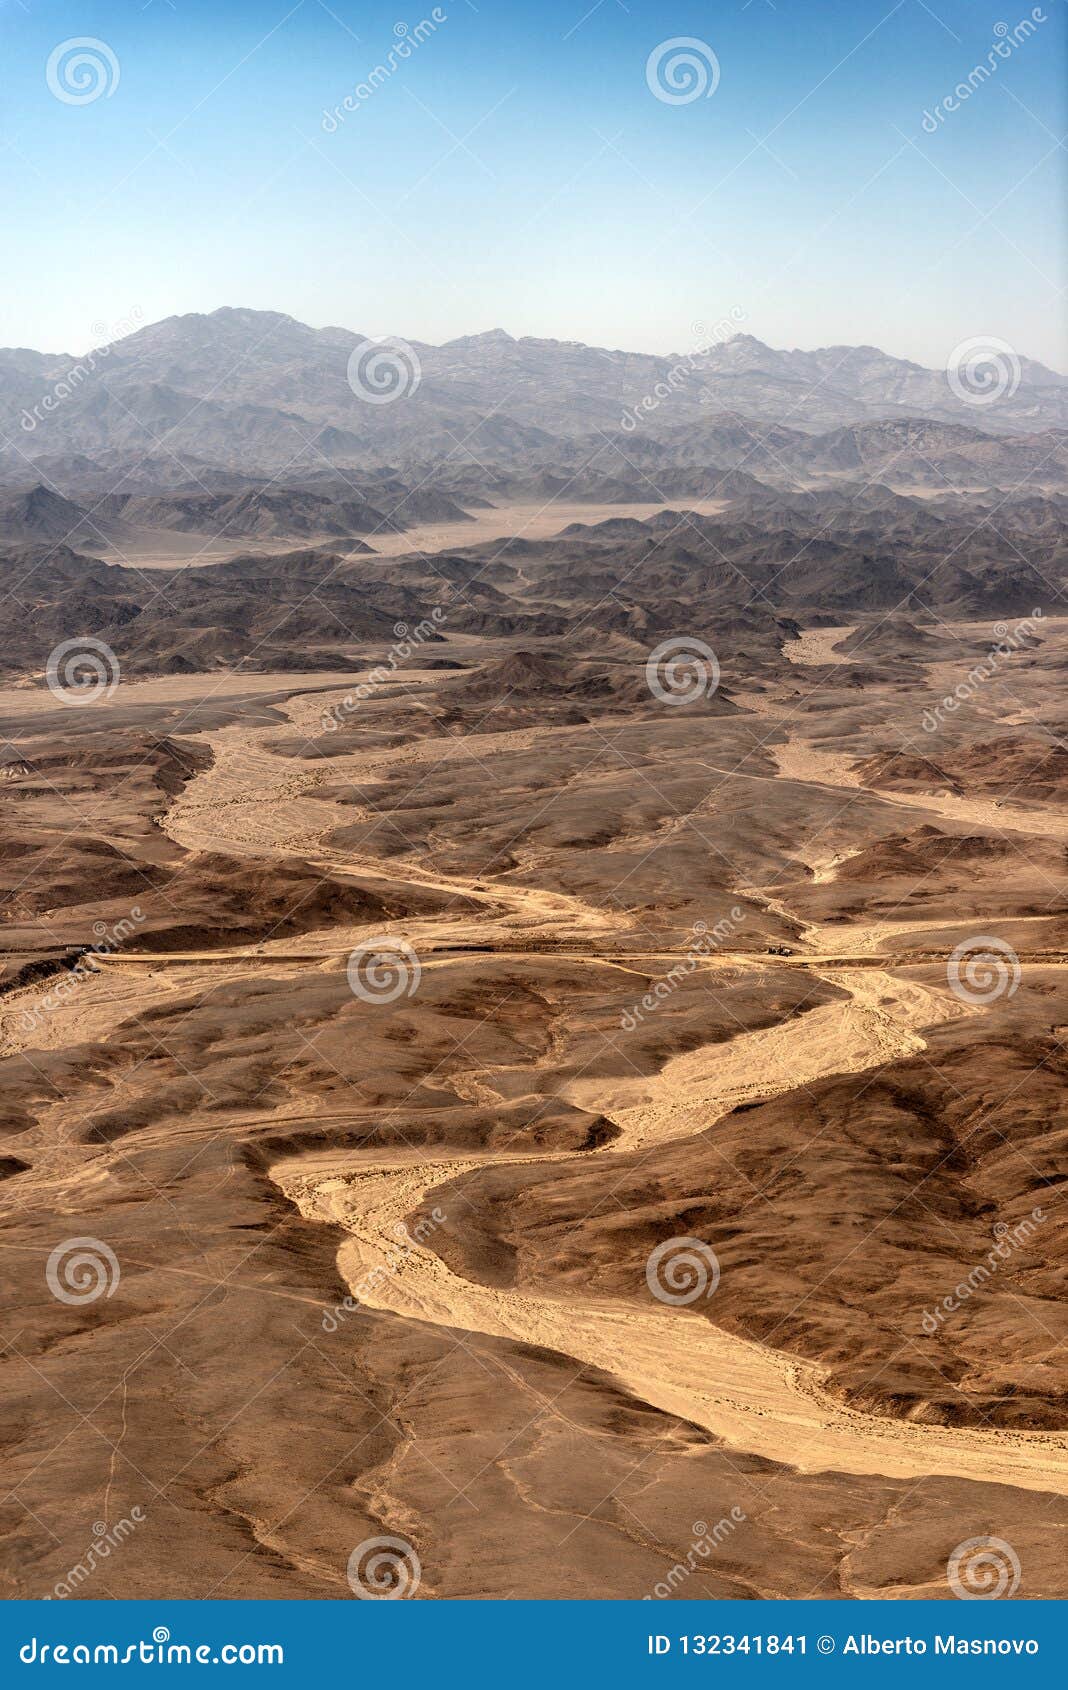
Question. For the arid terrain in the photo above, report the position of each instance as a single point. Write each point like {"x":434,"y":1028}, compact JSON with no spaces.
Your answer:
{"x":535,"y":981}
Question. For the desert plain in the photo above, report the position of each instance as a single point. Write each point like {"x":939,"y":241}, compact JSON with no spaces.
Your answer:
{"x":534,"y":1030}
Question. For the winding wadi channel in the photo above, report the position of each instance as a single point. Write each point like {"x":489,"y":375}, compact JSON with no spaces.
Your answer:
{"x":754,"y":1398}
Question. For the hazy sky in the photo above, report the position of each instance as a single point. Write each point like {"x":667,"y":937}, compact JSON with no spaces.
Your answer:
{"x":517,"y":170}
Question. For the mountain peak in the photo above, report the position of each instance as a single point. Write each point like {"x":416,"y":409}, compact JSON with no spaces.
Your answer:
{"x":488,"y":337}
{"x":248,"y":314}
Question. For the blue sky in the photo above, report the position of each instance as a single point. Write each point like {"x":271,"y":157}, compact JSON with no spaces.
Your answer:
{"x":516,"y":170}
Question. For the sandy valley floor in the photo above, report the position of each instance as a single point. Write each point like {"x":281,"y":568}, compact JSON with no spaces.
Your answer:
{"x":486,"y":1160}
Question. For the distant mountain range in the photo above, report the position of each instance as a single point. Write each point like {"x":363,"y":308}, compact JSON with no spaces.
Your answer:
{"x":258,"y":393}
{"x":747,"y":576}
{"x":840,"y":482}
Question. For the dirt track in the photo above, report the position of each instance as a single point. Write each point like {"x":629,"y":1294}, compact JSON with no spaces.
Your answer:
{"x":434,"y":957}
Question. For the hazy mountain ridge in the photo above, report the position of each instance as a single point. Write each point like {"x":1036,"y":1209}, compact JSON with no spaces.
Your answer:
{"x":257,"y":389}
